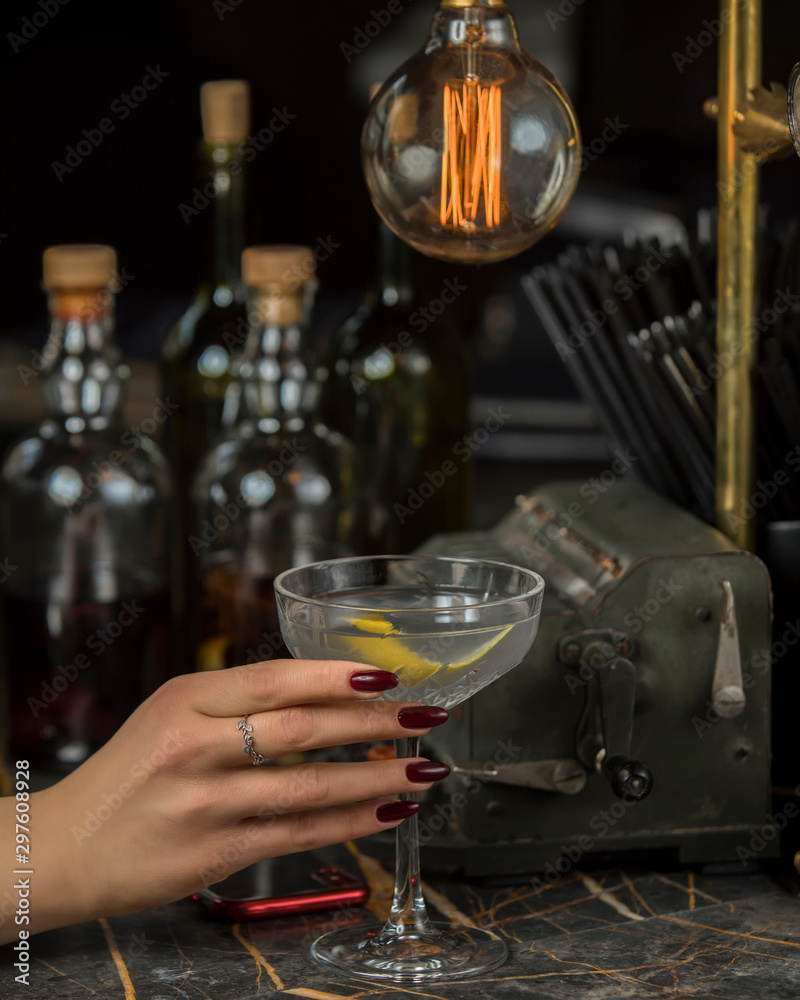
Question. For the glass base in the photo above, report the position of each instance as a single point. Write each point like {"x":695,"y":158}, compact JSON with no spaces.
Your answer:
{"x":452,"y":952}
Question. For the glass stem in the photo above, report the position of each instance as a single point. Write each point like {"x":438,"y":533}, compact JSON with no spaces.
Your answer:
{"x":408,"y":914}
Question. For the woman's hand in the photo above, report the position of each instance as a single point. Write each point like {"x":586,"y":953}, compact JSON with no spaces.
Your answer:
{"x":172,"y":804}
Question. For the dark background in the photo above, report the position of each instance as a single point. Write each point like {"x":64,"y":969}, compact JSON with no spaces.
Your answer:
{"x":615,"y":58}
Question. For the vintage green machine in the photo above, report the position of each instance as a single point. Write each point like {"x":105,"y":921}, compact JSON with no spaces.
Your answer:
{"x":639,"y":723}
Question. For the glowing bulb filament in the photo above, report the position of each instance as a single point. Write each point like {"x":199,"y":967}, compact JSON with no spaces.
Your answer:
{"x":472,"y":157}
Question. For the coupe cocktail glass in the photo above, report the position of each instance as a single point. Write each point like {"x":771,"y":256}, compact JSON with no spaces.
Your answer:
{"x":447,"y":628}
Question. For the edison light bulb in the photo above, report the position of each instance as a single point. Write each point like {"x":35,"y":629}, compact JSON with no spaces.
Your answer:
{"x":471,"y":148}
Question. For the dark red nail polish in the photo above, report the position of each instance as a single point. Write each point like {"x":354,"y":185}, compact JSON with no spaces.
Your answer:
{"x":422,"y":717}
{"x":374,"y":680}
{"x":427,"y":770}
{"x":391,"y":811}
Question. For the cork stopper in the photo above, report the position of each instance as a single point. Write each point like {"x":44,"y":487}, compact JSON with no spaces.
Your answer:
{"x":285,"y":266}
{"x":79,"y":265}
{"x":278,"y":274}
{"x":225,"y":110}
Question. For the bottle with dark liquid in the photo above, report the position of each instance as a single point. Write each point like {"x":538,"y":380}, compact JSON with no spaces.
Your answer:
{"x":83,"y":522}
{"x":398,"y":389}
{"x":267,"y":496}
{"x":198,"y":350}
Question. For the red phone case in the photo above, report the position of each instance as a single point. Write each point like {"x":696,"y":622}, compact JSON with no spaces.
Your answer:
{"x":338,"y":891}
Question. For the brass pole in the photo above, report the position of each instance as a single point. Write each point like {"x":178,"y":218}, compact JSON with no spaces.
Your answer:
{"x":739,"y":72}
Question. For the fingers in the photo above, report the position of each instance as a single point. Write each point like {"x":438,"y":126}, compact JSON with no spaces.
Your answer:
{"x":308,"y":831}
{"x":313,"y":727}
{"x":275,"y":791}
{"x":259,"y":687}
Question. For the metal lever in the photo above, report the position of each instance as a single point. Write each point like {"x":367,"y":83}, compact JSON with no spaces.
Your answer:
{"x":606,"y":727}
{"x":563,"y":775}
{"x":617,"y":696}
{"x":727,"y":691}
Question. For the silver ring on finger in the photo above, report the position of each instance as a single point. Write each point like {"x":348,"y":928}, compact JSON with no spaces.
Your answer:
{"x":249,"y":749}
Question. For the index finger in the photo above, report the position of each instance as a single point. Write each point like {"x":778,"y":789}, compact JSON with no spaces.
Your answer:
{"x":260,"y":687}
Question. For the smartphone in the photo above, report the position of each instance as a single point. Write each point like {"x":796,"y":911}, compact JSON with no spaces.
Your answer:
{"x":283,"y":887}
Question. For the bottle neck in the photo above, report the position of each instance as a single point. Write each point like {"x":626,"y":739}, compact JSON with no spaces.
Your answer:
{"x":228,"y":180}
{"x":396,"y":269}
{"x":83,"y":374}
{"x":274,"y":385}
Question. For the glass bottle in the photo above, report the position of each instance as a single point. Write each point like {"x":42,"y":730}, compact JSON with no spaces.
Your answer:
{"x":398,"y":389}
{"x":267,"y":496}
{"x":198,"y":350}
{"x":83,"y":529}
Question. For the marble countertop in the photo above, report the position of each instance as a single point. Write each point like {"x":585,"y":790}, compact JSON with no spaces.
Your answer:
{"x":616,"y":933}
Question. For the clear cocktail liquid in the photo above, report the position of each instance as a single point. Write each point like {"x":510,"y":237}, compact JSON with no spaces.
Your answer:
{"x":439,"y":654}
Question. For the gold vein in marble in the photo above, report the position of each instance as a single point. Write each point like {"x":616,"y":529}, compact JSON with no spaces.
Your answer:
{"x":259,"y":959}
{"x":119,"y":961}
{"x":692,"y":889}
{"x":719,"y":930}
{"x":317,"y":994}
{"x":608,"y":897}
{"x":68,"y":978}
{"x":446,"y":907}
{"x":189,"y":963}
{"x":637,"y":895}
{"x":380,"y":882}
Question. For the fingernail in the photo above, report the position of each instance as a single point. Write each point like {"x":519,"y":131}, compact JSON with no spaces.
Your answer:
{"x":422,"y":717}
{"x":427,"y":770}
{"x":389,"y":812}
{"x":374,"y":680}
